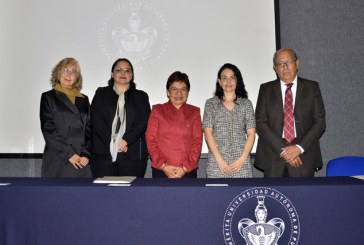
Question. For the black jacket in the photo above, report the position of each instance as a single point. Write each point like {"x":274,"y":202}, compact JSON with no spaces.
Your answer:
{"x":66,"y":129}
{"x":103,"y":110}
{"x":309,"y":114}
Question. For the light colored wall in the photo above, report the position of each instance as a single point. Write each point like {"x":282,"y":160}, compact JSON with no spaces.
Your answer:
{"x":328,"y":36}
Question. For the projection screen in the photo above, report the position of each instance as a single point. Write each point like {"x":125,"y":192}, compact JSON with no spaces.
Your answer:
{"x":159,"y":37}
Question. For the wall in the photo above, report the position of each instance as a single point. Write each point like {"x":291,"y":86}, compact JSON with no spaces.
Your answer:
{"x":328,"y":36}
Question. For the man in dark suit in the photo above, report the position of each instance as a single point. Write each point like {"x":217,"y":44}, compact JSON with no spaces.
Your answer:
{"x":288,"y":144}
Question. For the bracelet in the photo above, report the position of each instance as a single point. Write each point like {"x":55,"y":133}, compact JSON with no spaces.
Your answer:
{"x":163,"y":166}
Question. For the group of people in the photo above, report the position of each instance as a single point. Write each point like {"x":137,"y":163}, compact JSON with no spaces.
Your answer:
{"x":116,"y":133}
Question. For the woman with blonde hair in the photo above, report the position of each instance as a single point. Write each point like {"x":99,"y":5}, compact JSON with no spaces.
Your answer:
{"x":65,"y":123}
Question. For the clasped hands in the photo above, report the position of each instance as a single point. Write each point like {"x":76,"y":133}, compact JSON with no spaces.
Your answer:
{"x":174,"y":172}
{"x":291,"y":154}
{"x":227,"y":169}
{"x":78,"y":161}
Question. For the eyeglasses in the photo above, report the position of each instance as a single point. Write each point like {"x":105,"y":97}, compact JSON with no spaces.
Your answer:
{"x":288,"y":63}
{"x":67,"y":71}
{"x":225,"y":79}
{"x":119,"y":70}
{"x":177,"y":90}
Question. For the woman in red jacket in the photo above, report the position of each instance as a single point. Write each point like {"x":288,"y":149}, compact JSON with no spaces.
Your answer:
{"x":174,"y":132}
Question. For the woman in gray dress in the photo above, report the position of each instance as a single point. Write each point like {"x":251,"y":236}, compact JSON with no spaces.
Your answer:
{"x":229,"y":126}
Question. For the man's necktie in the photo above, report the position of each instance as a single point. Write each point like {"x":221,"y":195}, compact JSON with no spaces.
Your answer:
{"x":288,"y":127}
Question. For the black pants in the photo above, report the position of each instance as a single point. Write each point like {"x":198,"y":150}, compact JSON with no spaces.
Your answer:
{"x":280,"y":168}
{"x":283,"y":169}
{"x":101,"y":167}
{"x":156,"y":173}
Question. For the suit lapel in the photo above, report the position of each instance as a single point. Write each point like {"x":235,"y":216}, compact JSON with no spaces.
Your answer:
{"x":64,"y":99}
{"x":83,"y":108}
{"x":300,"y":87}
{"x":278,"y":93}
{"x":129,"y":109}
{"x":129,"y":115}
{"x":113,"y":105}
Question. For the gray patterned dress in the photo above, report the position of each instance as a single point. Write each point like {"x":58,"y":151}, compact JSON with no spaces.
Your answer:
{"x":229,"y":130}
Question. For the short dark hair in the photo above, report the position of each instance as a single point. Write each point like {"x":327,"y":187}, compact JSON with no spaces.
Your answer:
{"x":111,"y":80}
{"x":178,"y":76}
{"x":240,"y":86}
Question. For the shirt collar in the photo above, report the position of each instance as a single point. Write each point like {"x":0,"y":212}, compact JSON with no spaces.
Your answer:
{"x":283,"y":84}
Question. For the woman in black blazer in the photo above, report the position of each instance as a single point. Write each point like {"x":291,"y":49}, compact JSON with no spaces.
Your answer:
{"x":119,"y":115}
{"x":66,"y":124}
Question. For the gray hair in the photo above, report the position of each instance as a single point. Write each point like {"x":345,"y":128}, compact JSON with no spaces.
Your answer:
{"x":294,"y":54}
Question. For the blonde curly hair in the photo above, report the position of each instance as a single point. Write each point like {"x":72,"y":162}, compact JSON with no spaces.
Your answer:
{"x":63,"y":64}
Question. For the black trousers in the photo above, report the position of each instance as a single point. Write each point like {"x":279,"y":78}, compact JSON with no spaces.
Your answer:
{"x":280,"y":168}
{"x":283,"y":169}
{"x":101,"y":167}
{"x":156,"y":173}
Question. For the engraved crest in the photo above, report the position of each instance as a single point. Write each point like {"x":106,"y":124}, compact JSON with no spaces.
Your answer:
{"x":261,"y":232}
{"x":240,"y":228}
{"x":136,"y":30}
{"x":134,"y":42}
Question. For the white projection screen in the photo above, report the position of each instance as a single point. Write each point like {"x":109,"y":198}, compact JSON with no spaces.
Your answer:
{"x":159,"y":37}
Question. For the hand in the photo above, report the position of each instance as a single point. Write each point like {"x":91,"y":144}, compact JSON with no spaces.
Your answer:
{"x":224,"y":167}
{"x":295,"y":162}
{"x":123,"y":146}
{"x":237,"y":165}
{"x":84,"y":161}
{"x":170,"y":171}
{"x":290,"y":153}
{"x":75,"y":161}
{"x":181,"y":171}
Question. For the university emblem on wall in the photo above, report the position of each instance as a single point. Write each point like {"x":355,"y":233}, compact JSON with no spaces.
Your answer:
{"x":261,"y":216}
{"x":135,"y":30}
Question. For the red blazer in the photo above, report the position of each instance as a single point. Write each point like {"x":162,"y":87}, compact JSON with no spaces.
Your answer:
{"x":174,"y":136}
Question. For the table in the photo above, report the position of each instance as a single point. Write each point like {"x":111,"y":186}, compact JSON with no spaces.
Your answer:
{"x":162,"y":211}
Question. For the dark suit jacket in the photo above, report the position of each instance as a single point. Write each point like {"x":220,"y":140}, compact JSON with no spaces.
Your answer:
{"x":67,"y":131}
{"x":309,"y":113}
{"x":103,"y":110}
